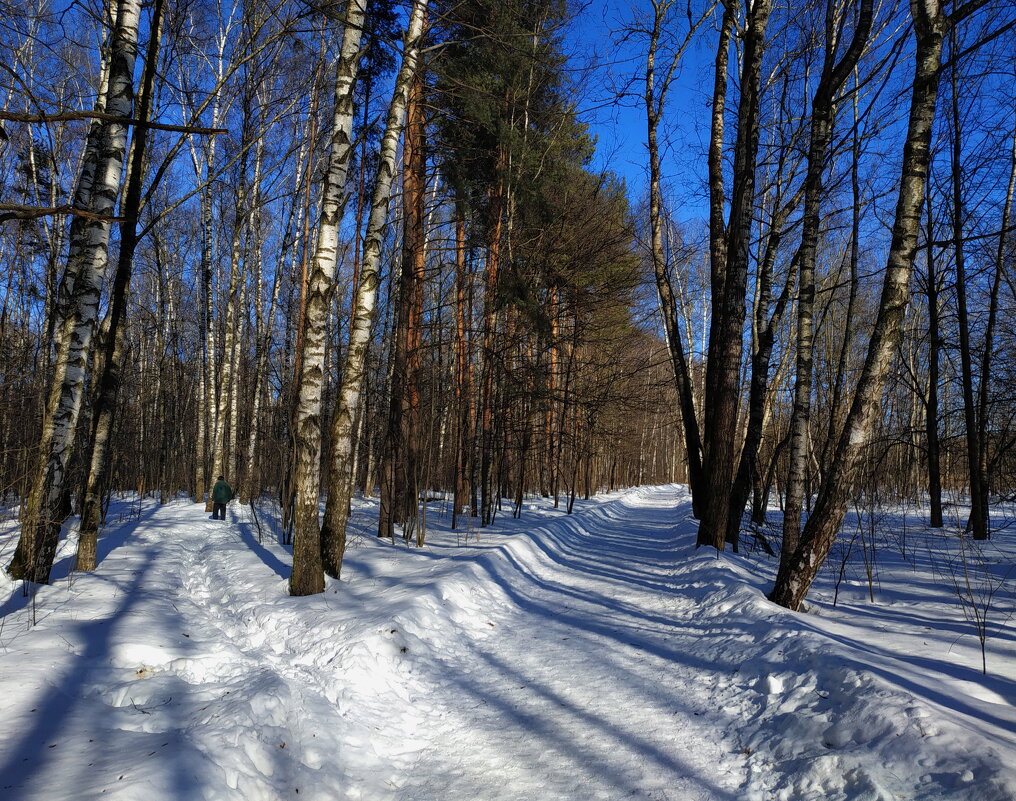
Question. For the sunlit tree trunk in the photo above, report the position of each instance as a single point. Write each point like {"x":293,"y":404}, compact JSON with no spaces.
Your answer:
{"x":262,"y":333}
{"x":796,"y":576}
{"x":203,"y":158}
{"x":340,"y":489}
{"x":399,"y":457}
{"x":98,"y":188}
{"x":301,"y":278}
{"x":307,"y":577}
{"x":107,"y":383}
{"x":223,"y":460}
{"x":729,"y":286}
{"x":840,"y":378}
{"x":834,"y":74}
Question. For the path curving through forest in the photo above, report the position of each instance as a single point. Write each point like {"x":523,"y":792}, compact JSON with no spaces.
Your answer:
{"x":590,"y":656}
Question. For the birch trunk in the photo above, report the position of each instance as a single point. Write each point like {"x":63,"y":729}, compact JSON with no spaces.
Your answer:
{"x":224,"y":390}
{"x":340,"y":490}
{"x":726,"y":347}
{"x":307,"y":577}
{"x":361,"y":193}
{"x":109,"y":379}
{"x":822,"y":123}
{"x":206,"y":394}
{"x":97,"y":191}
{"x":262,"y":337}
{"x":839,"y":380}
{"x":287,"y":493}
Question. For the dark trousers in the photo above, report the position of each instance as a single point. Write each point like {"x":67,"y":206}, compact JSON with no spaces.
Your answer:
{"x":218,"y":511}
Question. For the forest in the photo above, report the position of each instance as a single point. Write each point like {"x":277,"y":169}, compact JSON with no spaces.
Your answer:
{"x":337,"y":250}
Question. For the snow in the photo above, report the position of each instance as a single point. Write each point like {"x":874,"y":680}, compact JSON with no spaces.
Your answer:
{"x":591,"y":656}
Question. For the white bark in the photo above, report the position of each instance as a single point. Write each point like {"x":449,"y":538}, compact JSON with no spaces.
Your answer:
{"x":97,"y":191}
{"x":307,"y":576}
{"x":340,"y":488}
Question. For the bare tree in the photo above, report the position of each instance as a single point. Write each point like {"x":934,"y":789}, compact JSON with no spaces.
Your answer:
{"x":655,"y":97}
{"x":307,"y":577}
{"x":931,"y":24}
{"x":834,"y":75}
{"x":729,"y":268}
{"x":98,"y":187}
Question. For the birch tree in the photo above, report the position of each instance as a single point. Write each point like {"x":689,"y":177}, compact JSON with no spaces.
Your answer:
{"x":98,"y":187}
{"x":109,"y":378}
{"x":798,"y":571}
{"x":834,"y":74}
{"x":307,"y":577}
{"x":340,"y":488}
{"x":729,"y":267}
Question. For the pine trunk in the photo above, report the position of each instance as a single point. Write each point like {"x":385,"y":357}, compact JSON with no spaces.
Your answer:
{"x":399,"y":458}
{"x":463,"y":384}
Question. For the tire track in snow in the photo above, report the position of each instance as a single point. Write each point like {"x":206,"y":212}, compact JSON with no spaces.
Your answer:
{"x":583,"y":692}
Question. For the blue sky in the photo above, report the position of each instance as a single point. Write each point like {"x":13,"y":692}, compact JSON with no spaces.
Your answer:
{"x":603,"y":65}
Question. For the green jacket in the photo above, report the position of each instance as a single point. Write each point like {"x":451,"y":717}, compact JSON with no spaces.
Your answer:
{"x":222,"y":492}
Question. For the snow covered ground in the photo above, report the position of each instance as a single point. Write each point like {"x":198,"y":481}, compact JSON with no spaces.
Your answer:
{"x":592,"y":656}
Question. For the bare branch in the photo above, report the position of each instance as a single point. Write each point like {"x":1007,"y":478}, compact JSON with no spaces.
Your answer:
{"x":63,"y":116}
{"x":16,"y":211}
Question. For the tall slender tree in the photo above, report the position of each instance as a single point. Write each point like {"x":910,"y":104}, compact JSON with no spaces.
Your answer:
{"x":307,"y":577}
{"x":835,"y":72}
{"x":98,"y":187}
{"x":931,"y":24}
{"x":340,"y":487}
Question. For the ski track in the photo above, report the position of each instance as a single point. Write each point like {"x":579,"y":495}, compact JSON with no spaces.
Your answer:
{"x":557,"y":657}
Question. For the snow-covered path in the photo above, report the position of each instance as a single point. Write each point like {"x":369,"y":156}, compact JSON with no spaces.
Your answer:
{"x":593,"y":656}
{"x":191,"y":673}
{"x":582,"y":684}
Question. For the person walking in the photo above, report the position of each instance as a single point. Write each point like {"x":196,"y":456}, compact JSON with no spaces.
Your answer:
{"x":222,"y":494}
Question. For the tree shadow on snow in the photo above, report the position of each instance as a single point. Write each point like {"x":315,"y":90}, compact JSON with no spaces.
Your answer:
{"x":75,"y":744}
{"x":612,"y":635}
{"x":249,"y":538}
